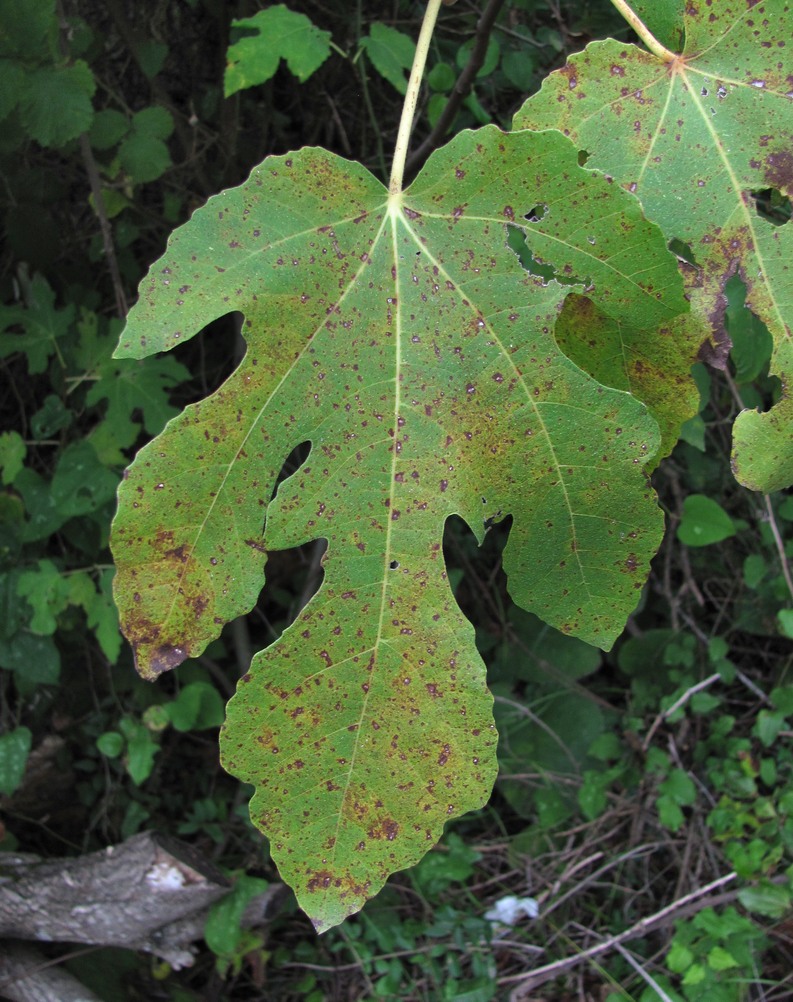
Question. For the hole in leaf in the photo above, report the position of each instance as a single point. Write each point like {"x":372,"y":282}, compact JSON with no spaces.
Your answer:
{"x":292,"y":576}
{"x":752,"y":345}
{"x":516,"y":241}
{"x":683,"y":251}
{"x":583,"y":156}
{"x":393,"y":565}
{"x":292,"y":464}
{"x":536,"y":214}
{"x":212,"y":356}
{"x":772,"y":205}
{"x":475,"y":575}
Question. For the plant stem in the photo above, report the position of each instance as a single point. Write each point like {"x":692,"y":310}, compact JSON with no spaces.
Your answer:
{"x":412,"y":97}
{"x":462,"y":88}
{"x":643,"y":32}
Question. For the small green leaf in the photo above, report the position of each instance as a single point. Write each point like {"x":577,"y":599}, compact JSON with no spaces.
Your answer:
{"x":751,"y":343}
{"x":102,"y":617}
{"x":767,"y":899}
{"x":491,"y":56}
{"x":441,"y":77}
{"x":53,"y":416}
{"x":754,"y":570}
{"x":152,"y":55}
{"x":12,"y":455}
{"x":111,"y":743}
{"x":143,"y":154}
{"x":108,"y":128}
{"x":679,"y":958}
{"x":679,"y":787}
{"x":592,"y":794}
{"x":14,"y":751}
{"x":767,"y":726}
{"x":720,"y":959}
{"x":55,"y":106}
{"x":197,"y":707}
{"x":785,"y":617}
{"x":703,"y":522}
{"x":391,"y":53}
{"x":695,"y":975}
{"x":222,"y":929}
{"x":782,"y":699}
{"x":141,"y":749}
{"x":451,"y":863}
{"x":35,"y":660}
{"x":81,"y":483}
{"x":29,"y":30}
{"x":279,"y":34}
{"x":519,"y":67}
{"x":12,"y":83}
{"x":42,"y":323}
{"x":669,"y":814}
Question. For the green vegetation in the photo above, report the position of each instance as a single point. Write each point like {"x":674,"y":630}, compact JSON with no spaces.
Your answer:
{"x":644,"y":796}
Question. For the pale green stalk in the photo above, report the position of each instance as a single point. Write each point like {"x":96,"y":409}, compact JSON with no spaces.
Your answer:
{"x":412,"y":97}
{"x":644,"y":32}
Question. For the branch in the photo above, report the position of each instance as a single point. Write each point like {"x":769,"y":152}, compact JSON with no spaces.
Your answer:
{"x":149,"y":893}
{"x":26,"y":975}
{"x":462,"y":88}
{"x":531,"y":979}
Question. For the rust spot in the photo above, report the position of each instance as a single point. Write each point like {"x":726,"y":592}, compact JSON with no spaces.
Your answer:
{"x":387,"y":828}
{"x":779,"y":169}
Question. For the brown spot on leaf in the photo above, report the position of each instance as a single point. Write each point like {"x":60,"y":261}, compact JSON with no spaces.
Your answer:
{"x":779,"y":169}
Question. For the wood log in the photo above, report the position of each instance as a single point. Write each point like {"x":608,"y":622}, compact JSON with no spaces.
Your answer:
{"x":26,"y":975}
{"x":136,"y":895}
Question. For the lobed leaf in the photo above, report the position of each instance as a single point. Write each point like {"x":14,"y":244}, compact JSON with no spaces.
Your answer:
{"x":697,"y":138}
{"x":401,"y":337}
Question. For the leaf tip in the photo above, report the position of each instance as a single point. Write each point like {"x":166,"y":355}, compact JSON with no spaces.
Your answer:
{"x":151,"y":664}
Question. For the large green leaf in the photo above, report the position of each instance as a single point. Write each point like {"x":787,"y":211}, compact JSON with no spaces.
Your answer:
{"x":401,"y":337}
{"x":696,"y":137}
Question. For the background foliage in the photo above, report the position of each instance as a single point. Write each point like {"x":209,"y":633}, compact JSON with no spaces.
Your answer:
{"x":627,"y":780}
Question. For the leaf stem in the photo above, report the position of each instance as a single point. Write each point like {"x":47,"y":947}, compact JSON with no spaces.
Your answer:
{"x":412,"y":97}
{"x":644,"y":32}
{"x":464,"y":84}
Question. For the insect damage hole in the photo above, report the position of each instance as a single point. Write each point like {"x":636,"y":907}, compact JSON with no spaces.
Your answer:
{"x":772,"y":205}
{"x":537,"y":213}
{"x":294,"y":575}
{"x":480,"y":585}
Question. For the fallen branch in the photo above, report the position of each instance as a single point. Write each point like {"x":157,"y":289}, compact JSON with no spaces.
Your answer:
{"x":532,"y":979}
{"x":26,"y":975}
{"x":149,"y":893}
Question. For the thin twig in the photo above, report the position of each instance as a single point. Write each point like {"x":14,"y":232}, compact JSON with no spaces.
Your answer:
{"x":104,"y":224}
{"x":462,"y":87}
{"x":704,"y":684}
{"x":644,"y":975}
{"x":531,"y":979}
{"x":780,"y":545}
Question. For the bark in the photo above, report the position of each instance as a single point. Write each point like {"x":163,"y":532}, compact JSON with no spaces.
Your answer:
{"x":149,"y":893}
{"x":27,"y":976}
